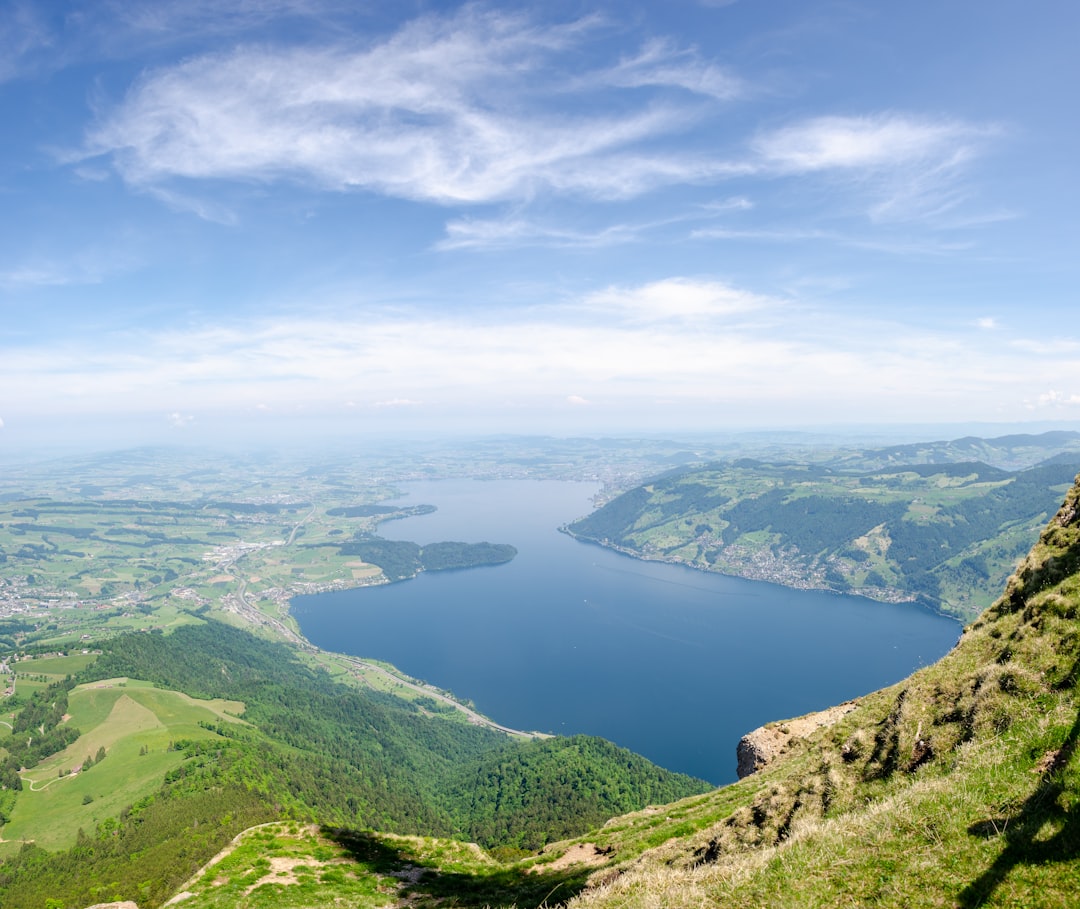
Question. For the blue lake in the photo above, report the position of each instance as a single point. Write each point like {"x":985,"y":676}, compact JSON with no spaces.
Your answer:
{"x":670,"y":662}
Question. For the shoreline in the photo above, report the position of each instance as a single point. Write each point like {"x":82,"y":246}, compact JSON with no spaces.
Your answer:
{"x":914,"y":601}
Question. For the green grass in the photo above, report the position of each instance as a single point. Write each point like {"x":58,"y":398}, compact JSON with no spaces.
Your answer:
{"x":290,"y":866}
{"x":858,"y":814}
{"x":136,"y":724}
{"x":56,"y":666}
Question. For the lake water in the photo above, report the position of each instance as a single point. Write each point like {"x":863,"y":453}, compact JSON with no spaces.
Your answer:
{"x":673,"y":663}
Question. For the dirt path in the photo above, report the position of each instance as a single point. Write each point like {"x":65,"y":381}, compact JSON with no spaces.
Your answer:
{"x":228,"y":850}
{"x":47,"y":783}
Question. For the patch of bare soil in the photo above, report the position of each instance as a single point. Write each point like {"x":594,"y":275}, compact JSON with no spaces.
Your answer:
{"x":282,"y":871}
{"x":580,"y":854}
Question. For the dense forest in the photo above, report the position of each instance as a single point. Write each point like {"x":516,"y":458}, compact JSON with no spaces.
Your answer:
{"x":320,"y":750}
{"x":401,"y":559}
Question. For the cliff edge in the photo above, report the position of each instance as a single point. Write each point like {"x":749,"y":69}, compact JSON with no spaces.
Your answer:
{"x":958,"y":787}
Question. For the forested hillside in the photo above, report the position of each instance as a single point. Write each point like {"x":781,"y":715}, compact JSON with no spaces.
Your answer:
{"x":944,"y":534}
{"x":309,"y":748}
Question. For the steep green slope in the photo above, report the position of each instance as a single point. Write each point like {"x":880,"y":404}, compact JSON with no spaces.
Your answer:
{"x":124,"y":744}
{"x":947,"y":535}
{"x":308,"y":748}
{"x":958,"y":787}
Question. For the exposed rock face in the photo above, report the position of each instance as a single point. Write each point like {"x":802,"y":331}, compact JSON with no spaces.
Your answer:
{"x":761,"y":747}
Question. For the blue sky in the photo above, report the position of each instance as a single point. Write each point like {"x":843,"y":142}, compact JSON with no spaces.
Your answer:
{"x":260,"y":218}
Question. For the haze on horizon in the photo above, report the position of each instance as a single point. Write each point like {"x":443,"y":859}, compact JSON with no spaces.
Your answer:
{"x":265,"y":217}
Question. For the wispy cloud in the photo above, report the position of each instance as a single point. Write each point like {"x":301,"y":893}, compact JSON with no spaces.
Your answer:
{"x":446,"y":110}
{"x":1056,"y":400}
{"x":484,"y":106}
{"x":863,"y":143}
{"x":899,"y":246}
{"x":179,"y":420}
{"x":24,"y":33}
{"x":661,"y":62}
{"x":40,"y":38}
{"x":910,"y":164}
{"x":517,"y":230}
{"x":80,"y":268}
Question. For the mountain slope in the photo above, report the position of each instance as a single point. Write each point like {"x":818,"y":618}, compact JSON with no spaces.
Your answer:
{"x":959,"y":786}
{"x":944,"y":534}
{"x":177,"y":779}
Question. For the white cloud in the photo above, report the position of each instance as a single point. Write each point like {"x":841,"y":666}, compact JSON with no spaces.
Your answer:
{"x":866,"y":143}
{"x":462,"y":109}
{"x":703,"y":346}
{"x":23,"y":34}
{"x":987,"y":323}
{"x":517,"y":231}
{"x":909,"y":165}
{"x":84,"y":267}
{"x":473,"y":233}
{"x":1047,"y":347}
{"x":734,"y":203}
{"x":675,"y":299}
{"x":1055,"y":399}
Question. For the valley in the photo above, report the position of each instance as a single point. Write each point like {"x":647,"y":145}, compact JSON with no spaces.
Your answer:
{"x":163,"y":697}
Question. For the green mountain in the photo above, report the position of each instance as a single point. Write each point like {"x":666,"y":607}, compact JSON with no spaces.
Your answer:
{"x":958,"y":787}
{"x":243,"y":731}
{"x":943,"y":534}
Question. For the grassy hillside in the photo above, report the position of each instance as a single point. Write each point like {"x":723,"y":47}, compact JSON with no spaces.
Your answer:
{"x":126,"y":787}
{"x":135,"y":726}
{"x":958,"y":787}
{"x":947,"y":535}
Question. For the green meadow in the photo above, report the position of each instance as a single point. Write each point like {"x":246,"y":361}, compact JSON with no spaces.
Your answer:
{"x":137,"y":727}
